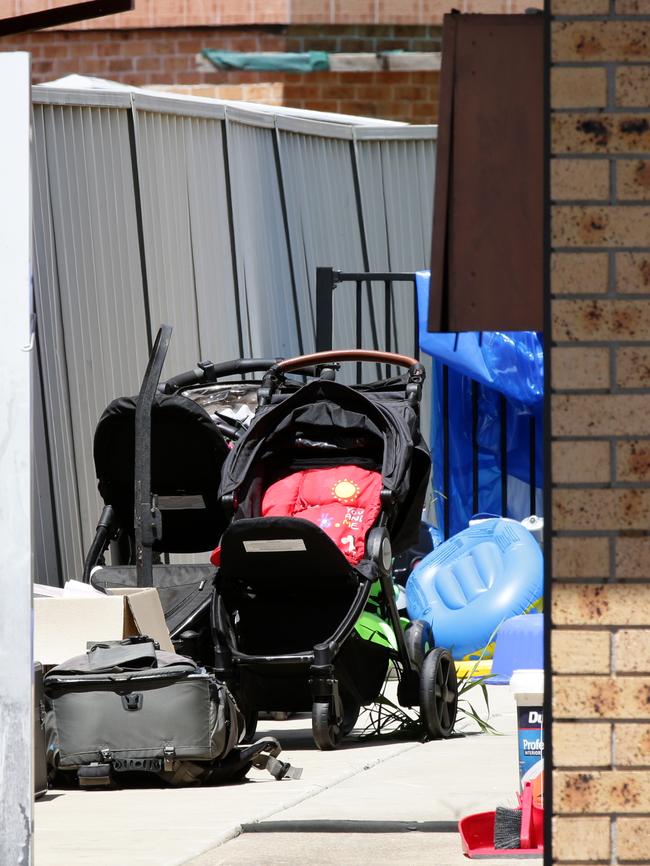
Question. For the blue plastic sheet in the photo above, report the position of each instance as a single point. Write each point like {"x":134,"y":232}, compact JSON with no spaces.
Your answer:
{"x":500,"y":376}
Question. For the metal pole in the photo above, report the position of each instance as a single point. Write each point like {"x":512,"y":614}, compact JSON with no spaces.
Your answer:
{"x":324,"y":308}
{"x":16,"y":341}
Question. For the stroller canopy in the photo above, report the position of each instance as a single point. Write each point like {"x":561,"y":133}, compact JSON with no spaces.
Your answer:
{"x":187,"y":453}
{"x":326,"y":423}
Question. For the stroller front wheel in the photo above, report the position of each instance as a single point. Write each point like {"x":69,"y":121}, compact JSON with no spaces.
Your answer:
{"x":438,"y":693}
{"x":327,"y":734}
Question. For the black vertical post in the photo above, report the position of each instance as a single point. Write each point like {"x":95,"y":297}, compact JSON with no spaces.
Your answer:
{"x":504,"y":456}
{"x":324,"y":308}
{"x":146,"y":514}
{"x":359,"y":334}
{"x":475,"y":490}
{"x":416,"y":321}
{"x":445,"y":453}
{"x":387,"y":319}
{"x":533,"y":467}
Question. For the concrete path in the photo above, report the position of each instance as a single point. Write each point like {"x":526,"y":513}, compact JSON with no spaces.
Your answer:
{"x":393,"y":801}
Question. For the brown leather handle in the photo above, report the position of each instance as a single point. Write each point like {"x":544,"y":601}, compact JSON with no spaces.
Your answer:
{"x":345,"y":355}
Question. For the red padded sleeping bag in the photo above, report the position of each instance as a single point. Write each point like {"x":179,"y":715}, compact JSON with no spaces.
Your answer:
{"x":344,"y":502}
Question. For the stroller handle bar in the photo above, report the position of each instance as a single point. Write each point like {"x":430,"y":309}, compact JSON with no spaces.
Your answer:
{"x":207,"y":372}
{"x":331,"y":358}
{"x":335,"y":355}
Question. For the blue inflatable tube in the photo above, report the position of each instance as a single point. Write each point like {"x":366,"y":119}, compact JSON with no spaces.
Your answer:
{"x":471,"y":583}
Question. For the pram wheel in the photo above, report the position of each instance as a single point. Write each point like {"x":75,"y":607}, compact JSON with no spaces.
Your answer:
{"x":438,"y":693}
{"x":327,"y":734}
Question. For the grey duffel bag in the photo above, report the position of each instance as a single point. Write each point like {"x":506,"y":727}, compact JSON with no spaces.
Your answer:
{"x":126,"y":707}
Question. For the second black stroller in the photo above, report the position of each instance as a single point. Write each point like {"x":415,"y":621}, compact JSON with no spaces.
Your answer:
{"x":170,"y":442}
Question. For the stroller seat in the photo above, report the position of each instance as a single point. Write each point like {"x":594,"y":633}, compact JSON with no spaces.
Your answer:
{"x":273,"y":570}
{"x":343,"y":501}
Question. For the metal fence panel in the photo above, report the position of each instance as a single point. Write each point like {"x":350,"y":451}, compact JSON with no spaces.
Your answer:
{"x":186,"y":234}
{"x":98,"y":288}
{"x":55,"y":406}
{"x":47,"y":562}
{"x":269,"y":315}
{"x":323,"y":220}
{"x":396,"y":181}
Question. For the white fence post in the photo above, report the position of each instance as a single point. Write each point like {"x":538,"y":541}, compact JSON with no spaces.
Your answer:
{"x":16,"y":724}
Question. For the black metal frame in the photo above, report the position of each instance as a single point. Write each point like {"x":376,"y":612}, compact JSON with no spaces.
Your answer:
{"x":327,"y":280}
{"x":148,"y":522}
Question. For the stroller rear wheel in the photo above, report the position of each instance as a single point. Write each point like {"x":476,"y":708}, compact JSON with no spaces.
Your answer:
{"x":327,"y":734}
{"x":438,"y":693}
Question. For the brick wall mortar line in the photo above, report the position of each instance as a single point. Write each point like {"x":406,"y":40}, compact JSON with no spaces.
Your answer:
{"x":635,"y":203}
{"x":611,"y":268}
{"x":596,"y":112}
{"x":595,"y":64}
{"x":613,"y":367}
{"x":624,"y":393}
{"x":612,"y":573}
{"x":600,"y":628}
{"x":608,"y":295}
{"x":586,"y":202}
{"x":631,"y":249}
{"x":602,"y":485}
{"x":577,"y":157}
{"x":604,"y":533}
{"x":610,"y":69}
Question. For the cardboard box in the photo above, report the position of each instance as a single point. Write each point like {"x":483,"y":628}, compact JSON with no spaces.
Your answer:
{"x":64,"y":626}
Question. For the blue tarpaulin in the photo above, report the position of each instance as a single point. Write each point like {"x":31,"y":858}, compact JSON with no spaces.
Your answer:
{"x":487,"y":420}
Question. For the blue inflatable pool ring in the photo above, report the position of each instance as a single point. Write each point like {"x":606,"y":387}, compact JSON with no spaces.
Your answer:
{"x":471,"y":583}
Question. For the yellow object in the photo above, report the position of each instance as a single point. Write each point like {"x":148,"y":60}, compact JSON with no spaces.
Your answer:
{"x":473,"y":668}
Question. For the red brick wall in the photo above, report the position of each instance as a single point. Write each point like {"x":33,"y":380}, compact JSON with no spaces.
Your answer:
{"x":408,"y":96}
{"x":600,"y":407}
{"x":211,"y":13}
{"x":169,"y":57}
{"x":136,"y":56}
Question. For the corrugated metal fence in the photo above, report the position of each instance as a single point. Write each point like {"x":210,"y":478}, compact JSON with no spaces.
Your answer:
{"x":212,"y":218}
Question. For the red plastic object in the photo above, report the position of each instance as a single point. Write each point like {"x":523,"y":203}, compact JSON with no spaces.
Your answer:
{"x":477,"y":831}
